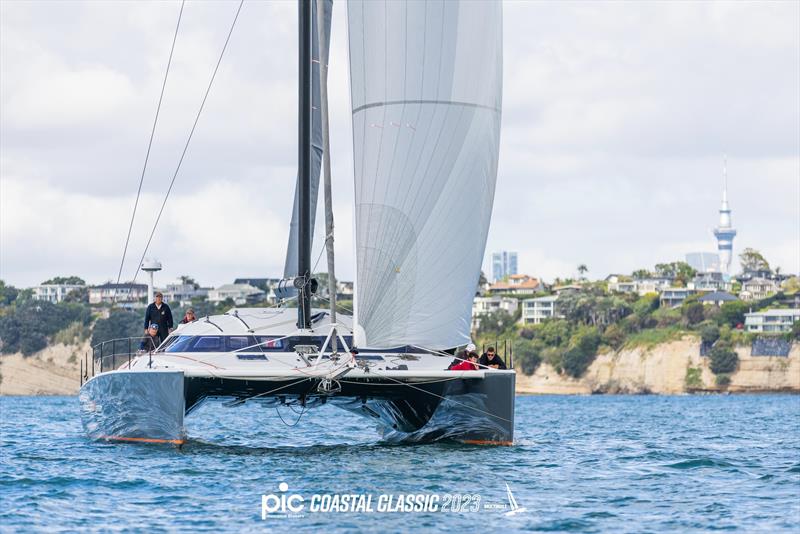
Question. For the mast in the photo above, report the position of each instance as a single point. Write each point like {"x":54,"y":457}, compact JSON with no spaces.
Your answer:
{"x":304,"y":165}
{"x":326,"y":151}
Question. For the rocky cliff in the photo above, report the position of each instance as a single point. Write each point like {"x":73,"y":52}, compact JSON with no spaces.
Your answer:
{"x":669,"y":368}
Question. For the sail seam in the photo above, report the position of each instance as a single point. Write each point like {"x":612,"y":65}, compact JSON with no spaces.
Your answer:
{"x":442,"y":102}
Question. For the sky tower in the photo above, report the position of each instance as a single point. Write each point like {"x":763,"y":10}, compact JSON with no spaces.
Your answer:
{"x":724,"y":232}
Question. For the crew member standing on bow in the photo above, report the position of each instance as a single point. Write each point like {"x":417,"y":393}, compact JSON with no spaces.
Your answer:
{"x":158,"y":312}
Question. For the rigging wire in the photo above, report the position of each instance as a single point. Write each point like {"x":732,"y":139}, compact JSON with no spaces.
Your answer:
{"x":149,"y":146}
{"x":189,"y":139}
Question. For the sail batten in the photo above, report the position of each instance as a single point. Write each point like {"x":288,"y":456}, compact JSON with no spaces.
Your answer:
{"x":426,"y":91}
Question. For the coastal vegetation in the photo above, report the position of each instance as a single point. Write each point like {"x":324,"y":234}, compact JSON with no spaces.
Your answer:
{"x":590,"y":321}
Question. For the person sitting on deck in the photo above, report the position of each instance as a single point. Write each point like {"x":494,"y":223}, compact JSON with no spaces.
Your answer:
{"x":463,"y":355}
{"x":491,"y":359}
{"x":189,"y":316}
{"x":151,"y":341}
{"x":470,"y":364}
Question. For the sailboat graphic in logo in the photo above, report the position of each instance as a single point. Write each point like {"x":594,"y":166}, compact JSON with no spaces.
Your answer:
{"x":512,"y":503}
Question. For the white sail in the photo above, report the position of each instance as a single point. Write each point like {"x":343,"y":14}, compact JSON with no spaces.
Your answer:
{"x":290,"y":266}
{"x":426,"y":89}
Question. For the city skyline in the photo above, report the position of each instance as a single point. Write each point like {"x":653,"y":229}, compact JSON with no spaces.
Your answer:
{"x":610,"y":153}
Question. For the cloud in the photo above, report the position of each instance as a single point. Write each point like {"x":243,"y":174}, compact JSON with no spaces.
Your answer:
{"x":616,"y":118}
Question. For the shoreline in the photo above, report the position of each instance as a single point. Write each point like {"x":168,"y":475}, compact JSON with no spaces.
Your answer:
{"x":674,"y":368}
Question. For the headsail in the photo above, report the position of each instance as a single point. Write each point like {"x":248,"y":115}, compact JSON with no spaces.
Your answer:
{"x":290,"y":266}
{"x":426,"y":89}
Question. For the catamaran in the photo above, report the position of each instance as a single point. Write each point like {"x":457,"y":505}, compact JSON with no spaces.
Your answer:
{"x":426,"y":96}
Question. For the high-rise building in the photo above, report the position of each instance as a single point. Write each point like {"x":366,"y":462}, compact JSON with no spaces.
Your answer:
{"x":725,"y":232}
{"x":504,"y":264}
{"x":703,"y":262}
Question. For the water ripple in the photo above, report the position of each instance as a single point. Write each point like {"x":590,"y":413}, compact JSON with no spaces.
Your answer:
{"x":579,"y":464}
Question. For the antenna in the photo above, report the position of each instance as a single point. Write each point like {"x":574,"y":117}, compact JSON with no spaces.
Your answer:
{"x":725,"y":177}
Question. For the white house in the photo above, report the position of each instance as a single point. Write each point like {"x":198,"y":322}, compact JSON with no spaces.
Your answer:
{"x":182,"y":294}
{"x":534,"y":311}
{"x":240,"y":294}
{"x":672,"y":297}
{"x":120,"y":293}
{"x":710,"y":281}
{"x":54,"y":292}
{"x":485,"y":305}
{"x":517,"y":284}
{"x":758,"y":288}
{"x":775,"y":321}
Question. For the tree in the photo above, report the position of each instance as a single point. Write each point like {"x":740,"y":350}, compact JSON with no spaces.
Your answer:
{"x":8,"y":294}
{"x":582,"y":269}
{"x":640,"y":274}
{"x":792,"y":285}
{"x":70,"y":280}
{"x":496,"y":322}
{"x":583,"y":348}
{"x":752,"y":260}
{"x":30,"y":322}
{"x":723,"y":360}
{"x":732,"y":313}
{"x":189,"y":281}
{"x":680,"y":271}
{"x":482,"y":282}
{"x":693,"y":312}
{"x":527,"y":355}
{"x":78,"y":295}
{"x":120,"y":324}
{"x":709,"y":334}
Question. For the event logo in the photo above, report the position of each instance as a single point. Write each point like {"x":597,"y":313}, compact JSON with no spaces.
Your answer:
{"x":512,"y":503}
{"x":286,"y":505}
{"x":282,"y":505}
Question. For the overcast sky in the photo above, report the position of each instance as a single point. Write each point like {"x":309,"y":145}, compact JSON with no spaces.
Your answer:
{"x":616,"y":117}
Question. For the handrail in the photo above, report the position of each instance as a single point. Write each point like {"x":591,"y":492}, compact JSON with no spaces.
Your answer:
{"x":128,"y":346}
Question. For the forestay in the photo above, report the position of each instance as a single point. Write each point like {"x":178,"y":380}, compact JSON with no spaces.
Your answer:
{"x":426,"y":89}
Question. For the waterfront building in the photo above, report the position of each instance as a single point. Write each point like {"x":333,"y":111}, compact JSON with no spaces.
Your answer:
{"x":504,"y":264}
{"x":703,"y":262}
{"x":182,"y":294}
{"x":54,"y":292}
{"x":771,"y":321}
{"x":118,"y":293}
{"x":716,"y":298}
{"x":672,"y":297}
{"x":536,"y":310}
{"x":725,"y":232}
{"x":710,"y":281}
{"x":482,"y":306}
{"x":517,"y":284}
{"x":758,"y":288}
{"x":567,"y":289}
{"x":240,"y":294}
{"x":264,"y":284}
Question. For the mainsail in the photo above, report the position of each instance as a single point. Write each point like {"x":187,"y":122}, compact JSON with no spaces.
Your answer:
{"x":290,"y":267}
{"x":426,"y":89}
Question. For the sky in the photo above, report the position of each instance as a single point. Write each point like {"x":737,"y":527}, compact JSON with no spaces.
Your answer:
{"x":617,"y":117}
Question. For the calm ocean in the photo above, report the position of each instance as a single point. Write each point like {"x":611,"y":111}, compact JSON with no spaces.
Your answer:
{"x":580,"y":464}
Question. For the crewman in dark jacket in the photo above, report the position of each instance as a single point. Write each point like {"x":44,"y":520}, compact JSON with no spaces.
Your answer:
{"x":158,"y":312}
{"x":491,"y":359}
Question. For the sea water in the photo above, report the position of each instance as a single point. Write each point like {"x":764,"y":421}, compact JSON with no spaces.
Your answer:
{"x":579,"y":464}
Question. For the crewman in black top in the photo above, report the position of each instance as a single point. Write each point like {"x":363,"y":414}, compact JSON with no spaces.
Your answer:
{"x":158,"y":312}
{"x":491,"y":359}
